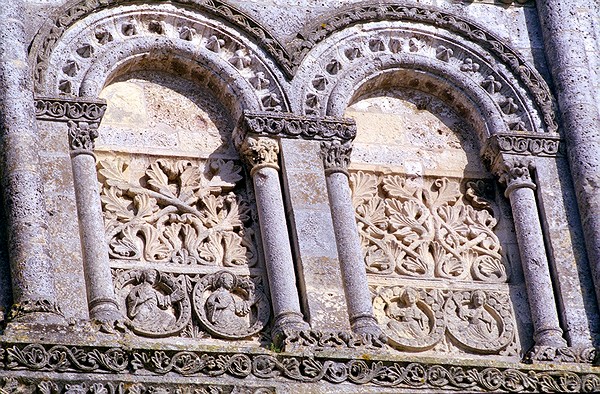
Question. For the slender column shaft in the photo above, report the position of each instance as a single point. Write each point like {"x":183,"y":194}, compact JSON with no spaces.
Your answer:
{"x":580,"y":114}
{"x":99,"y":285}
{"x":261,"y":154}
{"x":354,"y":275}
{"x":542,"y":304}
{"x":32,"y":273}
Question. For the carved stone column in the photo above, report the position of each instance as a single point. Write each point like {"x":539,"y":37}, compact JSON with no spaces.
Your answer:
{"x":564,"y":41}
{"x":260,"y":153}
{"x":336,"y":157}
{"x":519,"y":190}
{"x":32,"y":271}
{"x":102,"y":303}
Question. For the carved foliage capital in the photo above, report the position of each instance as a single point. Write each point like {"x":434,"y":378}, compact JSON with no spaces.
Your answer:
{"x":515,"y":174}
{"x":259,"y":152}
{"x":336,"y":156}
{"x":82,"y":136}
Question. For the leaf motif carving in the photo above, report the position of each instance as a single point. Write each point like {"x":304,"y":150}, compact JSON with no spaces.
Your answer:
{"x":364,"y":187}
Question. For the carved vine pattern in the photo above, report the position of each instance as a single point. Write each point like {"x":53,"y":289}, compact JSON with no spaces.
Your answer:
{"x":294,"y":368}
{"x":79,"y":386}
{"x":178,"y":213}
{"x":427,"y":231}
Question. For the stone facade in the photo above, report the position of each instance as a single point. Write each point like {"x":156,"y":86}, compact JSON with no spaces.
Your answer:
{"x":323,"y":197}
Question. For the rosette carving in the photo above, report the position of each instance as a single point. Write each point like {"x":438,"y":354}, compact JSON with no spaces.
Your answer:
{"x":231,"y":306}
{"x":178,"y":212}
{"x":426,"y":230}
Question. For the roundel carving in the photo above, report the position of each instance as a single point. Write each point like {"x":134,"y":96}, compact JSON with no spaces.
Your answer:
{"x":230,"y":306}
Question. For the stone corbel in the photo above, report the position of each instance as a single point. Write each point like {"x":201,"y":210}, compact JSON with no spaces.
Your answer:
{"x":83,"y":118}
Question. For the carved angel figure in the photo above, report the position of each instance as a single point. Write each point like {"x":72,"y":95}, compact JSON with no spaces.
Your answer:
{"x":221,"y":304}
{"x":409,"y":321}
{"x":147,"y":307}
{"x":481,"y":325}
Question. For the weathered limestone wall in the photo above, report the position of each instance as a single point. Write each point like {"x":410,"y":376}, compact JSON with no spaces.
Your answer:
{"x":273,"y":196}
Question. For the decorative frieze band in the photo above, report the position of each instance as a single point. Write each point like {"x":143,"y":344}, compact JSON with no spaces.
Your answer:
{"x":295,"y":368}
{"x":72,"y":109}
{"x":523,"y":144}
{"x":287,"y":125}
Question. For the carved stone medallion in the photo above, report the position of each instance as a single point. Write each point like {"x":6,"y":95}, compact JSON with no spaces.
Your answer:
{"x":154,"y":303}
{"x":479,"y":320}
{"x":412,"y":319}
{"x":230,"y":306}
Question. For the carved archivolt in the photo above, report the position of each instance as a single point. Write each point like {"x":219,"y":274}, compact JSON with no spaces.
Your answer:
{"x":88,"y":53}
{"x":420,"y":32}
{"x":428,"y":230}
{"x":179,"y":212}
{"x":476,"y":321}
{"x":353,"y":58}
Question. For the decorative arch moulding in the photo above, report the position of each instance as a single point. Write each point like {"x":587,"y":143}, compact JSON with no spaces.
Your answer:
{"x":287,"y":125}
{"x":290,"y":57}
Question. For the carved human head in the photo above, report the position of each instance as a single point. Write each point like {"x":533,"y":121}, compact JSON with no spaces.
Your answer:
{"x":226,"y":280}
{"x":149,"y":276}
{"x":478,"y":298}
{"x":410,"y":296}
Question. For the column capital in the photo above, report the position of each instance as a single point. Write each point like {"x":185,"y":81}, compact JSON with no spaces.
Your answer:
{"x":336,"y":156}
{"x":259,"y":152}
{"x":515,"y":173}
{"x":81,"y":137}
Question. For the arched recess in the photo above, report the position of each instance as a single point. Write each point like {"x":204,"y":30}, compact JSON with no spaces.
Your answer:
{"x":180,"y":224}
{"x":358,"y":57}
{"x":92,"y":42}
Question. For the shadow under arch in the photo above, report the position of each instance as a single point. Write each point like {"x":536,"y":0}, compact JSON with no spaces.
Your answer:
{"x":461,"y":94}
{"x":231,"y":89}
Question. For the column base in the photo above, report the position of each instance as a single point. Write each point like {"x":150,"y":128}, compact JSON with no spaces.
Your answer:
{"x":106,"y":316}
{"x":366,"y":326}
{"x":549,"y":337}
{"x":583,"y":355}
{"x":36,"y":312}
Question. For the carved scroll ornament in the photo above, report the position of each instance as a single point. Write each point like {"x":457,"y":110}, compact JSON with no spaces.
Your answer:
{"x":426,"y":231}
{"x":178,"y":213}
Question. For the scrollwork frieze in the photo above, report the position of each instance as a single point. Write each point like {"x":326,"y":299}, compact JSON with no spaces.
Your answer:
{"x":87,"y":385}
{"x":294,"y":126}
{"x":285,"y":368}
{"x":523,"y":145}
{"x":65,"y":110}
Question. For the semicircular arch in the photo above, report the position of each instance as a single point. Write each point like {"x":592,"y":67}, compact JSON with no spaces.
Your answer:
{"x":430,"y":41}
{"x":84,"y":57}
